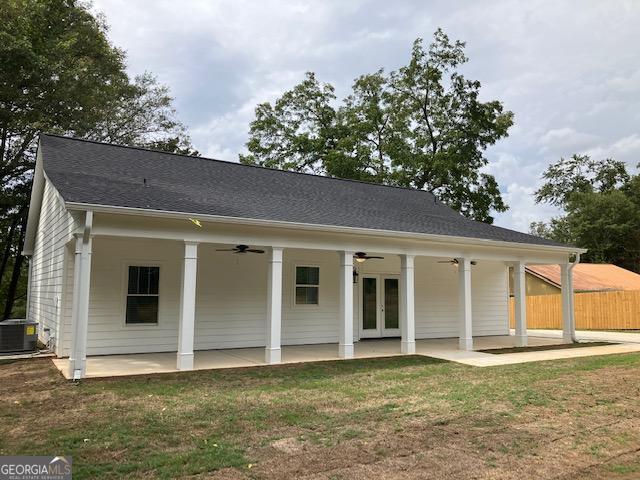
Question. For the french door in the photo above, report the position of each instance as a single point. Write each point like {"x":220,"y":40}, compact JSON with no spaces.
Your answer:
{"x":379,"y":316}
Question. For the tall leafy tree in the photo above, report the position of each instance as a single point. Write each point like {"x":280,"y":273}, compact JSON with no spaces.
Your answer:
{"x":601,"y":204}
{"x":366,"y":136}
{"x":445,"y":129}
{"x":421,"y":126}
{"x":60,"y":74}
{"x":580,"y":174}
{"x":297,"y":132}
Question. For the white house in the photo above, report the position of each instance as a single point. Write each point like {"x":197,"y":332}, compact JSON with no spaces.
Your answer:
{"x":137,"y":251}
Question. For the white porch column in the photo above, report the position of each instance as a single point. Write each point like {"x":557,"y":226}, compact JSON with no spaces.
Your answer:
{"x":186,"y":331}
{"x":272,"y":353}
{"x":519,"y":294}
{"x":568,"y":332}
{"x":407,"y":305}
{"x":345,"y":336}
{"x":80,"y":306}
{"x":464,"y":304}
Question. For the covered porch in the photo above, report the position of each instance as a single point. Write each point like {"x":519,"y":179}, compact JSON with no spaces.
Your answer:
{"x":217,"y":309}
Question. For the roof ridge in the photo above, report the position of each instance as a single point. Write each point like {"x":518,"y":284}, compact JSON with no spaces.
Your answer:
{"x":229,"y":162}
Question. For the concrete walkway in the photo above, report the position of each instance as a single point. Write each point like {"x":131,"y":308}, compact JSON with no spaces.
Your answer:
{"x":590,"y":335}
{"x":445,"y":349}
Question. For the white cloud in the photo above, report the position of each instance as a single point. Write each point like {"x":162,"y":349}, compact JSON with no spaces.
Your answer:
{"x":626,"y":149}
{"x":523,"y":209}
{"x":625,"y":82}
{"x":569,"y":71}
{"x":565,"y":139}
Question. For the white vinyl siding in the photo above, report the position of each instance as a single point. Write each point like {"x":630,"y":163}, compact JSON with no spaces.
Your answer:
{"x":231,"y":297}
{"x":107,"y":331}
{"x":436,"y":295}
{"x":46,"y":297}
{"x":231,"y":300}
{"x":436,"y":291}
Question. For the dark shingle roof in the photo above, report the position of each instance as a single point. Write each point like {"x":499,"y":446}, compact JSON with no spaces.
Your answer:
{"x":106,"y":174}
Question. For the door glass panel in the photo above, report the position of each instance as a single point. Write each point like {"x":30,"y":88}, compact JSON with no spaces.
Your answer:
{"x":391,"y":303}
{"x":369,"y":303}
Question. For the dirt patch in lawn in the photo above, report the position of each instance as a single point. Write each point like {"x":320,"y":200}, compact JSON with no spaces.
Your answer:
{"x":541,"y":348}
{"x":394,"y":418}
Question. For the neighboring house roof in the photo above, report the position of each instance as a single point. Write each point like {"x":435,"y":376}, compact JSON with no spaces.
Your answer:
{"x":94,"y":173}
{"x":590,"y":277}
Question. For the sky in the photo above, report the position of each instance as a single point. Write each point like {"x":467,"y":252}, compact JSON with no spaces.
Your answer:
{"x":569,"y":70}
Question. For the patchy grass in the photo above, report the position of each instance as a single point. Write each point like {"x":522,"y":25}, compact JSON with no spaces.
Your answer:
{"x":383,"y":418}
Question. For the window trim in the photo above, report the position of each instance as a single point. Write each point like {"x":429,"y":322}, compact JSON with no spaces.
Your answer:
{"x":294,"y":303}
{"x":125,"y":291}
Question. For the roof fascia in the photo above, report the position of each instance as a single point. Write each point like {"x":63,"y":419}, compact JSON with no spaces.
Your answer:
{"x":542,"y":277}
{"x":306,"y":226}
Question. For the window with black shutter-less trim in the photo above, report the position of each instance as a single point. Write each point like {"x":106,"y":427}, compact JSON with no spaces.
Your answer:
{"x":307,"y":285}
{"x":142,"y":295}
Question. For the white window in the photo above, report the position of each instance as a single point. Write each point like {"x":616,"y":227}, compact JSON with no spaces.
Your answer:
{"x":307,"y":285}
{"x":142,"y":295}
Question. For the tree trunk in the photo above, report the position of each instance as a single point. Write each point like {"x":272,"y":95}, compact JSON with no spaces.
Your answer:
{"x":7,"y":249}
{"x":15,"y":275}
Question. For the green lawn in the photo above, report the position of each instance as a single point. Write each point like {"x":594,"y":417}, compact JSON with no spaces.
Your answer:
{"x":349,"y":419}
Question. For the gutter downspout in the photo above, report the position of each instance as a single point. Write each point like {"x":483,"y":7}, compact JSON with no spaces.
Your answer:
{"x":572,"y":297}
{"x":27,"y":313}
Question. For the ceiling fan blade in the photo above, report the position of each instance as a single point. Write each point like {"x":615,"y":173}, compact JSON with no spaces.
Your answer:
{"x":225,"y":250}
{"x":369,"y":256}
{"x":253,"y":250}
{"x":456,"y":262}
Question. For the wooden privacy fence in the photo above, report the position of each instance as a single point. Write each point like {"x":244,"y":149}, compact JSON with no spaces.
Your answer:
{"x":594,"y":311}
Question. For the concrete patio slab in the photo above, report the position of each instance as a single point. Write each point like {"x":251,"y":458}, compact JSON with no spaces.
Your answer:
{"x":445,"y":349}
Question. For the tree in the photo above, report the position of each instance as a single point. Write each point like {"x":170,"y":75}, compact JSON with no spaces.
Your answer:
{"x":601,"y":204}
{"x":60,"y":74}
{"x":297,"y":132}
{"x":445,"y":129}
{"x":580,"y":174}
{"x":364,"y":122}
{"x":422,"y":126}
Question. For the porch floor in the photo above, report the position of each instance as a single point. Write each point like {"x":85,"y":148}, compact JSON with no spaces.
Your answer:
{"x":443,"y":348}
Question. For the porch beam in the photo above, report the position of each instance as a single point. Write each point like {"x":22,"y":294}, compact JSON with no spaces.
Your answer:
{"x":273,"y":353}
{"x":566,"y":291}
{"x":464,"y":304}
{"x":130,"y":226}
{"x":345,"y":336}
{"x":186,"y":331}
{"x":519,"y":294}
{"x":407,"y":305}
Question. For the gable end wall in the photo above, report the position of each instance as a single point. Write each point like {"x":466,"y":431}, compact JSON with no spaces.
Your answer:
{"x":55,"y":229}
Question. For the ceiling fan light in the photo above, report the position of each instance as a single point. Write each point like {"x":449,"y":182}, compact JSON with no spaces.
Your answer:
{"x":360,"y":259}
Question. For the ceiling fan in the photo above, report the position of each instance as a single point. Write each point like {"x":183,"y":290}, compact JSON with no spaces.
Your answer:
{"x":240,"y":249}
{"x":362,"y":256}
{"x":454,"y":261}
